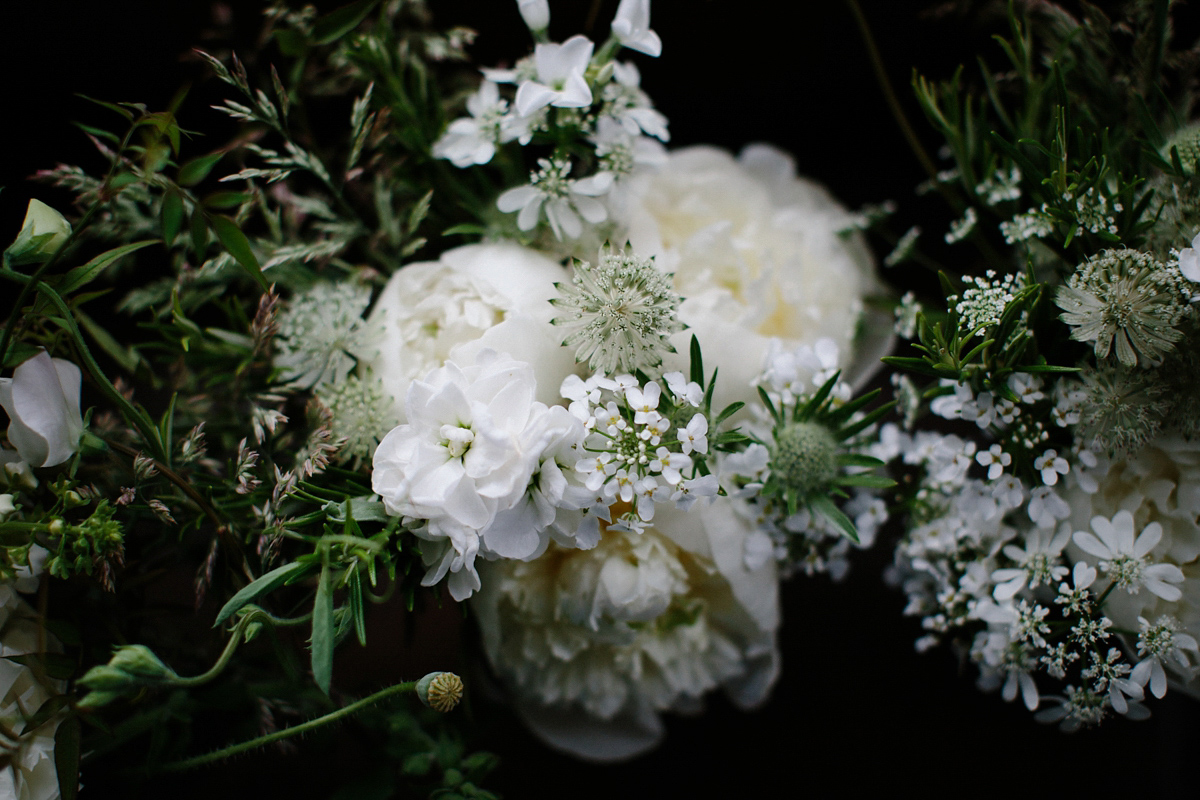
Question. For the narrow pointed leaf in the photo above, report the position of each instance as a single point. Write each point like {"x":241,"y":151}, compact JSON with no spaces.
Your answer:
{"x":238,"y":246}
{"x":323,"y":633}
{"x":266,"y":583}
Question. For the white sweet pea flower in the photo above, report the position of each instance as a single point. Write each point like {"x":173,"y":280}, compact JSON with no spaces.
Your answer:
{"x":631,"y":26}
{"x":536,"y":14}
{"x":42,"y":401}
{"x":42,"y":233}
{"x":559,"y":81}
{"x":564,"y":200}
{"x":1123,"y":558}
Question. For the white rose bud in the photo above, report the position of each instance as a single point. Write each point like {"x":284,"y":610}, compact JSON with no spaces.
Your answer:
{"x":42,"y":233}
{"x":42,"y":401}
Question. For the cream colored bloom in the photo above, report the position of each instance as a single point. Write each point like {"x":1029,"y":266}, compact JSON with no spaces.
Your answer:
{"x":595,"y":643}
{"x":493,"y":296}
{"x":42,"y":233}
{"x":42,"y":401}
{"x":1159,"y":485}
{"x":757,"y":255}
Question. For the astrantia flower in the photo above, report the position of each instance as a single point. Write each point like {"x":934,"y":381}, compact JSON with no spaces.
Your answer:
{"x":619,"y":314}
{"x":42,"y":401}
{"x":595,"y":643}
{"x":1119,"y":410}
{"x":559,"y":81}
{"x":1123,"y":558}
{"x":563,"y":199}
{"x":361,"y":413}
{"x":1127,"y":297}
{"x":322,"y":333}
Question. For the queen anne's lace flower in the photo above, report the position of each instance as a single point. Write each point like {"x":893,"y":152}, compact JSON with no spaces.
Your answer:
{"x":1123,"y":558}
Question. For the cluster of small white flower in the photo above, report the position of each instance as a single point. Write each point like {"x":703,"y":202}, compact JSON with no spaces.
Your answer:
{"x":566,"y":87}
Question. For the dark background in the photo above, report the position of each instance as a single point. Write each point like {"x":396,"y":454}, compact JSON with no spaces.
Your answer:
{"x":857,"y":711}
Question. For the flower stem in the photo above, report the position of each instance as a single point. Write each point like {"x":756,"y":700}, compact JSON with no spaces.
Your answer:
{"x":295,"y":730}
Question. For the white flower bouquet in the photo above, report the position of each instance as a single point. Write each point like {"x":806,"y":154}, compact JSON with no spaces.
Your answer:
{"x":444,"y":359}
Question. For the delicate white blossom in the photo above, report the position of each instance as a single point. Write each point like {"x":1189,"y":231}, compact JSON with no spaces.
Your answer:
{"x":42,"y":401}
{"x":559,"y":77}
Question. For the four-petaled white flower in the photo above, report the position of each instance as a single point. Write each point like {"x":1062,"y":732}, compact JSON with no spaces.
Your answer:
{"x":42,"y":401}
{"x":560,"y":81}
{"x":995,"y":459}
{"x":631,"y":26}
{"x":1123,"y":558}
{"x":564,"y":200}
{"x":1051,"y":465}
{"x":472,"y":140}
{"x":695,"y":435}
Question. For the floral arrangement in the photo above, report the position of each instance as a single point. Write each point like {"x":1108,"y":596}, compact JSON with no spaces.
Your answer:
{"x":427,"y":335}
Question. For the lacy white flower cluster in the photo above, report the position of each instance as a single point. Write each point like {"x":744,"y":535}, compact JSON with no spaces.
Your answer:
{"x":570,"y":90}
{"x":1070,"y":575}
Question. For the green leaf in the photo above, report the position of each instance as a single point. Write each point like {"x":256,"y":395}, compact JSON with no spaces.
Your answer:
{"x":81,"y":276}
{"x":322,"y":630}
{"x":858,"y":460}
{"x":824,"y":506}
{"x":697,"y":362}
{"x":224,"y":200}
{"x":110,"y":106}
{"x":66,"y":757}
{"x":197,"y":169}
{"x":199,"y":233}
{"x":260,"y":586}
{"x":172,"y":216}
{"x":55,"y":665}
{"x":354,"y":596}
{"x":868,"y":481}
{"x":126,"y":357}
{"x":1044,"y":368}
{"x":338,"y":23}
{"x":361,"y":509}
{"x":465,"y":229}
{"x":291,"y":42}
{"x":238,"y":246}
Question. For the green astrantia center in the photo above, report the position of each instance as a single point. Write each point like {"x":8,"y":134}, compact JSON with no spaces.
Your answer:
{"x":804,"y":457}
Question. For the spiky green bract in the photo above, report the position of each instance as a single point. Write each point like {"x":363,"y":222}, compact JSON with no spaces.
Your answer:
{"x":809,"y":453}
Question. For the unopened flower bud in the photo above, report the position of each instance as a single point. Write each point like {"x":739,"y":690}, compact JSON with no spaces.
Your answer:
{"x":441,"y":691}
{"x":132,"y":665}
{"x":42,"y":233}
{"x":536,"y":14}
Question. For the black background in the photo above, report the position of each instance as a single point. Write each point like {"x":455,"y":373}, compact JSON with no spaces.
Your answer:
{"x":857,"y":711}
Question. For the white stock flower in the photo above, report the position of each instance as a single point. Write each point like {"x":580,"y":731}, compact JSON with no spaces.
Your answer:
{"x":594,"y":643}
{"x":42,"y":401}
{"x":757,"y":255}
{"x":559,"y":81}
{"x":480,"y":296}
{"x":631,"y":26}
{"x":460,"y":459}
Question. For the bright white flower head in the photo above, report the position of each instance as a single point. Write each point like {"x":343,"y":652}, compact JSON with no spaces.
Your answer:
{"x":1123,"y":558}
{"x":626,"y":103}
{"x":1037,"y":563}
{"x":42,"y":401}
{"x":479,"y":296}
{"x":631,"y":26}
{"x":560,"y":81}
{"x":460,"y":459}
{"x":595,"y":643}
{"x":756,"y":253}
{"x":564,"y":200}
{"x":472,"y":140}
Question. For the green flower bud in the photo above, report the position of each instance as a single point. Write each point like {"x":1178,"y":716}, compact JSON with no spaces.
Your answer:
{"x":42,"y":233}
{"x":805,"y":456}
{"x":441,"y":691}
{"x":132,"y":666}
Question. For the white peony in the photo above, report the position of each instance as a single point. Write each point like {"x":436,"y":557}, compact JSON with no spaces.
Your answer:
{"x":595,"y":643}
{"x":473,"y":298}
{"x":1160,"y":484}
{"x":757,"y":255}
{"x":42,"y":401}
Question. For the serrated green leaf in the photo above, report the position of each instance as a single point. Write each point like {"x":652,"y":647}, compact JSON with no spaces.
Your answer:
{"x":238,"y":246}
{"x":197,"y":169}
{"x":260,"y":586}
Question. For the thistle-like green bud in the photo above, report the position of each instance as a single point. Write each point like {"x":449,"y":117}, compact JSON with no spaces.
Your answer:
{"x":805,"y":457}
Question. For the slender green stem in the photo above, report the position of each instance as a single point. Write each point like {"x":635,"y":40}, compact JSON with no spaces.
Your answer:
{"x":295,"y":730}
